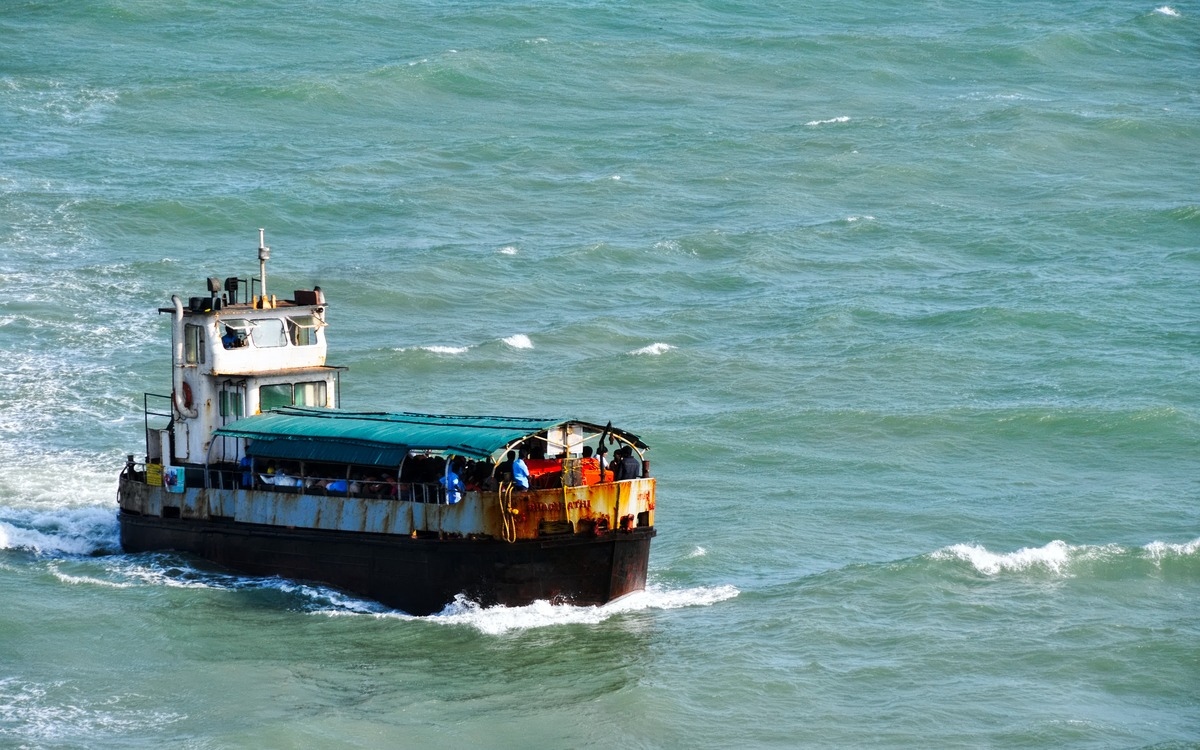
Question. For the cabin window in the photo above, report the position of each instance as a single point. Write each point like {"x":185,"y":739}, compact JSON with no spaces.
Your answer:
{"x":236,"y":333}
{"x":232,"y":404}
{"x":274,"y":396}
{"x":303,"y":330}
{"x":310,"y":394}
{"x":315,"y":393}
{"x":268,"y":333}
{"x":193,"y":344}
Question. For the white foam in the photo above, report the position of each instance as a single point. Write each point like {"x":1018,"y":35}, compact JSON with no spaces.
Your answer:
{"x":169,"y":571}
{"x":332,"y":602}
{"x":508,"y":250}
{"x":163,"y":571}
{"x":58,"y":713}
{"x":58,"y":531}
{"x":698,"y":552}
{"x":830,"y":121}
{"x":14,"y":537}
{"x":654,"y":349}
{"x":1167,"y":10}
{"x":518,"y":341}
{"x":53,"y":481}
{"x":77,"y":580}
{"x":61,"y":101}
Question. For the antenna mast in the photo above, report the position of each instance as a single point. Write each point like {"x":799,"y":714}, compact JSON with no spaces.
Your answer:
{"x":264,"y":254}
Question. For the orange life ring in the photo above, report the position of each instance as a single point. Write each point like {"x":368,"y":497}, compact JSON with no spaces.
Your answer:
{"x":187,"y":396}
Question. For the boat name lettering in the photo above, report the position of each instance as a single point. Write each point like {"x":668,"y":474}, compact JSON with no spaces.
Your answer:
{"x":582,"y":505}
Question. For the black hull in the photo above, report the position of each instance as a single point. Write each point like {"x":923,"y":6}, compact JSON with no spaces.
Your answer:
{"x":419,"y":576}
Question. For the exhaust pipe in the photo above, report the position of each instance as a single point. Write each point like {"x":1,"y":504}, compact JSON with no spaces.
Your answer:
{"x":177,"y":362}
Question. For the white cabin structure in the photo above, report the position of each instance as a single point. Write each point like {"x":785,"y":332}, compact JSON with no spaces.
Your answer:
{"x":236,"y":353}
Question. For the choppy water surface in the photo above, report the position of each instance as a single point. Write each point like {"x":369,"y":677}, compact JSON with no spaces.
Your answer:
{"x":903,"y":297}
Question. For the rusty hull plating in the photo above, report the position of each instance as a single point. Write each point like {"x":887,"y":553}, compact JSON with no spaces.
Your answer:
{"x":565,"y":551}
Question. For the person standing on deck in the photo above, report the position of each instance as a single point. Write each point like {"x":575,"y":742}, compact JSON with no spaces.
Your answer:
{"x":520,"y":472}
{"x":626,"y":466}
{"x":452,"y":482}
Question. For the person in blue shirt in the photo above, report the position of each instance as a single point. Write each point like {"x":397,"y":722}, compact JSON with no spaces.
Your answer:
{"x":233,"y":339}
{"x":520,"y":472}
{"x":247,"y":471}
{"x":452,"y":482}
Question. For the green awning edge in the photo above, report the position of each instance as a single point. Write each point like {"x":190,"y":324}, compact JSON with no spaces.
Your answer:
{"x":374,"y":438}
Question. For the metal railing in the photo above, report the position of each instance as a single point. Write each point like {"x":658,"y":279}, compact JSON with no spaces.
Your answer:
{"x":242,"y":479}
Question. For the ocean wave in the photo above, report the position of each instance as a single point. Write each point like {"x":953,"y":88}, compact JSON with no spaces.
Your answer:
{"x":59,"y":531}
{"x":518,"y":341}
{"x":830,"y":121}
{"x":653,"y":349}
{"x":1053,"y":557}
{"x":1166,"y":551}
{"x":1167,"y":10}
{"x":435,"y":349}
{"x":1059,"y":558}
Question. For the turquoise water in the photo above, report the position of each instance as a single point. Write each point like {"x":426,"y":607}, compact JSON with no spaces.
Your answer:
{"x":902,"y":295}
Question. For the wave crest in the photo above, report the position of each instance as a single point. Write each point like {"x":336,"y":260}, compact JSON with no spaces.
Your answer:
{"x":830,"y":121}
{"x":1060,"y":558}
{"x":518,"y":341}
{"x":653,"y":349}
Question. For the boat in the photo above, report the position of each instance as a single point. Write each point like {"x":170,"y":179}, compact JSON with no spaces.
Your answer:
{"x":252,"y":463}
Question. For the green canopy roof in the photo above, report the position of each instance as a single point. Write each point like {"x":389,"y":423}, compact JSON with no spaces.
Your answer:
{"x":383,"y":439}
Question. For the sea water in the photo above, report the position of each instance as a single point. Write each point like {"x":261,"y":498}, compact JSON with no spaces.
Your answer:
{"x":903,"y":296}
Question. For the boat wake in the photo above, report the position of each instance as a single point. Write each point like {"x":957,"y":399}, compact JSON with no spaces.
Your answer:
{"x":499,"y":619}
{"x":124,"y":571}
